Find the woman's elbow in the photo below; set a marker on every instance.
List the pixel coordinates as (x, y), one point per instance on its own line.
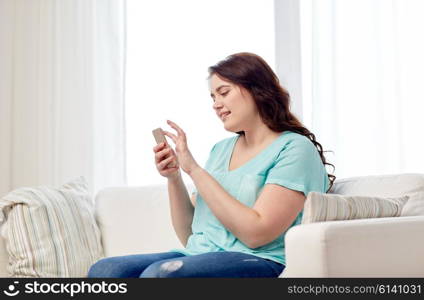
(256, 241)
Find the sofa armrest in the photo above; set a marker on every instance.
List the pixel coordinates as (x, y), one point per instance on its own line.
(380, 247)
(135, 220)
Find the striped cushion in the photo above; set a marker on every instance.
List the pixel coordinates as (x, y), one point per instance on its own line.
(321, 207)
(50, 232)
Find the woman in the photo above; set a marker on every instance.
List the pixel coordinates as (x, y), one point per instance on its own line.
(251, 190)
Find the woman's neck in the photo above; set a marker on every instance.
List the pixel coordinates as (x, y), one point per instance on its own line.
(258, 137)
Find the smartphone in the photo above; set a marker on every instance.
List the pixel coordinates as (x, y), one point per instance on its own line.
(160, 138)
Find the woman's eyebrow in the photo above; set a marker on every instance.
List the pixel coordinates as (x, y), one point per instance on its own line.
(218, 88)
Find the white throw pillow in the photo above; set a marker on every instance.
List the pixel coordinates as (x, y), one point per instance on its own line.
(414, 206)
(320, 207)
(50, 232)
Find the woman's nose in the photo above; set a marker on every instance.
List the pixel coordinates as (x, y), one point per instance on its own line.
(217, 105)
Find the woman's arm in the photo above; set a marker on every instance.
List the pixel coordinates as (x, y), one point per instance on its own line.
(274, 211)
(182, 209)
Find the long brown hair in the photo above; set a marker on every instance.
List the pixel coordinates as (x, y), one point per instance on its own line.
(273, 101)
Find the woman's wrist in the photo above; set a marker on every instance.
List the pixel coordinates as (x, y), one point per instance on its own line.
(174, 178)
(195, 170)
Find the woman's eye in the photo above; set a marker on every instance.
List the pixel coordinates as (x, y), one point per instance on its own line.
(223, 94)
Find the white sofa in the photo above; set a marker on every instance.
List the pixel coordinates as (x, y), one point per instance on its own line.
(137, 220)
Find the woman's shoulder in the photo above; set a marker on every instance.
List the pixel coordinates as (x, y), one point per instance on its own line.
(293, 142)
(291, 138)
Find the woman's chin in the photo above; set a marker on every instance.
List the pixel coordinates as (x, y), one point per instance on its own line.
(228, 127)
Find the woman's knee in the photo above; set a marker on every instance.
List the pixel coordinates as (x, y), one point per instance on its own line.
(108, 267)
(164, 269)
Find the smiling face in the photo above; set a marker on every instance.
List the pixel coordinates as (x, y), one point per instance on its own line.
(233, 104)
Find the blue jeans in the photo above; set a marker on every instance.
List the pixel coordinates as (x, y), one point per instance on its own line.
(174, 264)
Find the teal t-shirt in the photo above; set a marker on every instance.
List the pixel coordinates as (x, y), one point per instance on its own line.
(291, 160)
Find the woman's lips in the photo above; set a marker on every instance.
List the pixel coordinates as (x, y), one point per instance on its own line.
(225, 115)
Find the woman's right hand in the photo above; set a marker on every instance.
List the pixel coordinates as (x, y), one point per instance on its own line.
(165, 155)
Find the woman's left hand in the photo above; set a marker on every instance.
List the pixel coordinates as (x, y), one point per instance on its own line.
(185, 159)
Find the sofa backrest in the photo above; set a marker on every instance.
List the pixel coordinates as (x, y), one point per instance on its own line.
(135, 220)
(391, 185)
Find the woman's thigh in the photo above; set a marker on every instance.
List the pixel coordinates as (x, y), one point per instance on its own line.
(214, 264)
(127, 265)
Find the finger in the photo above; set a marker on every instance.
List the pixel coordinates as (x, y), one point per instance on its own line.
(169, 170)
(160, 154)
(171, 135)
(164, 162)
(158, 147)
(176, 127)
